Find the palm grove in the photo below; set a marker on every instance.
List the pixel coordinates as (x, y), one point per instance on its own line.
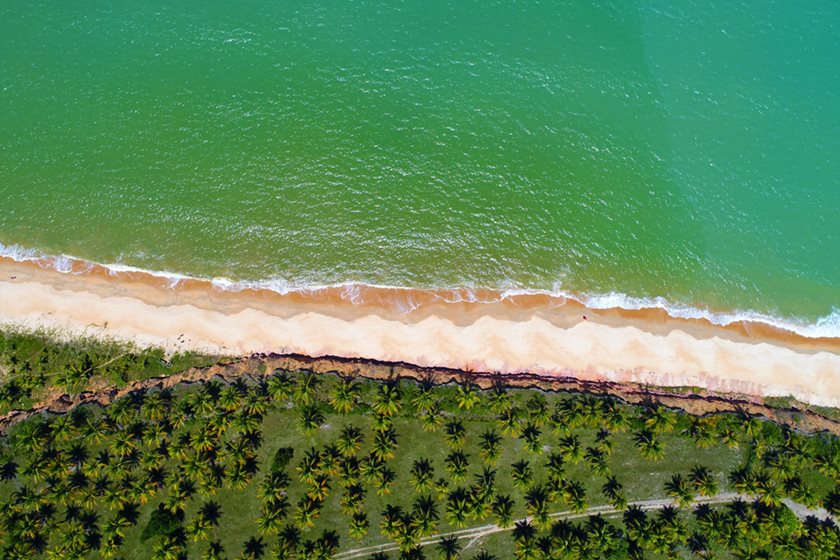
(299, 465)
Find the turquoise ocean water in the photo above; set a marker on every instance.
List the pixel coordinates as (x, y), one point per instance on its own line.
(633, 152)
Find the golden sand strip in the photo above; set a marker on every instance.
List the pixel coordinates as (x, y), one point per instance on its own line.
(548, 340)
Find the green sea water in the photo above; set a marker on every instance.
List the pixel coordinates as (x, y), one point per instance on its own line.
(628, 151)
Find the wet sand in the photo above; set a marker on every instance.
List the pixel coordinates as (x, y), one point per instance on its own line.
(529, 333)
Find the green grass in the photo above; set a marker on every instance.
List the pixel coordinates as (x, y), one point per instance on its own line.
(280, 427)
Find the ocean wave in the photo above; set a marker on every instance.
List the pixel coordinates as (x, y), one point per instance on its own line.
(406, 299)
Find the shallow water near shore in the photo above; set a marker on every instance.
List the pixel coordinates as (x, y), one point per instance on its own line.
(632, 154)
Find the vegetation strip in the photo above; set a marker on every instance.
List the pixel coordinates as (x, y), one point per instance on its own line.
(254, 459)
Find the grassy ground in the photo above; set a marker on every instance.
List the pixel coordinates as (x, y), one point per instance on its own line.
(642, 479)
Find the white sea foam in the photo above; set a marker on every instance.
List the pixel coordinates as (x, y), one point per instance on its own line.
(827, 326)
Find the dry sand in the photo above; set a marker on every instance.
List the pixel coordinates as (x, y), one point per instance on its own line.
(545, 336)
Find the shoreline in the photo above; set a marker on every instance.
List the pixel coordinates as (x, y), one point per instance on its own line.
(409, 300)
(531, 333)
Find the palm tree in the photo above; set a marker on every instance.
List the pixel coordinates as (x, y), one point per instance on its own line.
(467, 396)
(352, 500)
(388, 399)
(649, 447)
(306, 389)
(423, 396)
(253, 549)
(484, 555)
(358, 525)
(431, 418)
(320, 488)
(350, 440)
(531, 435)
(522, 474)
(344, 395)
(449, 547)
(571, 448)
(575, 495)
(424, 515)
(280, 386)
(679, 489)
(703, 480)
(457, 464)
(614, 493)
(525, 539)
(596, 460)
(658, 419)
(615, 416)
(384, 443)
(288, 540)
(489, 444)
(509, 421)
(703, 432)
(636, 523)
(498, 397)
(385, 480)
(422, 474)
(502, 509)
(307, 512)
(458, 507)
(454, 432)
(536, 502)
(393, 518)
(537, 409)
(311, 418)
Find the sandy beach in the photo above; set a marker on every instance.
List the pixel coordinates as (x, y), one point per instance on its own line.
(535, 334)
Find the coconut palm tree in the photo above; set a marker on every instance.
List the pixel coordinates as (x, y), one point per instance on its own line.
(680, 489)
(658, 419)
(306, 388)
(458, 507)
(449, 547)
(498, 398)
(502, 509)
(703, 480)
(422, 474)
(649, 447)
(489, 445)
(385, 480)
(537, 410)
(307, 512)
(344, 395)
(536, 503)
(509, 421)
(388, 399)
(280, 386)
(525, 540)
(359, 525)
(424, 515)
(350, 440)
(522, 474)
(431, 418)
(575, 495)
(614, 493)
(311, 418)
(531, 435)
(571, 448)
(393, 518)
(423, 396)
(454, 432)
(596, 460)
(457, 463)
(467, 396)
(352, 500)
